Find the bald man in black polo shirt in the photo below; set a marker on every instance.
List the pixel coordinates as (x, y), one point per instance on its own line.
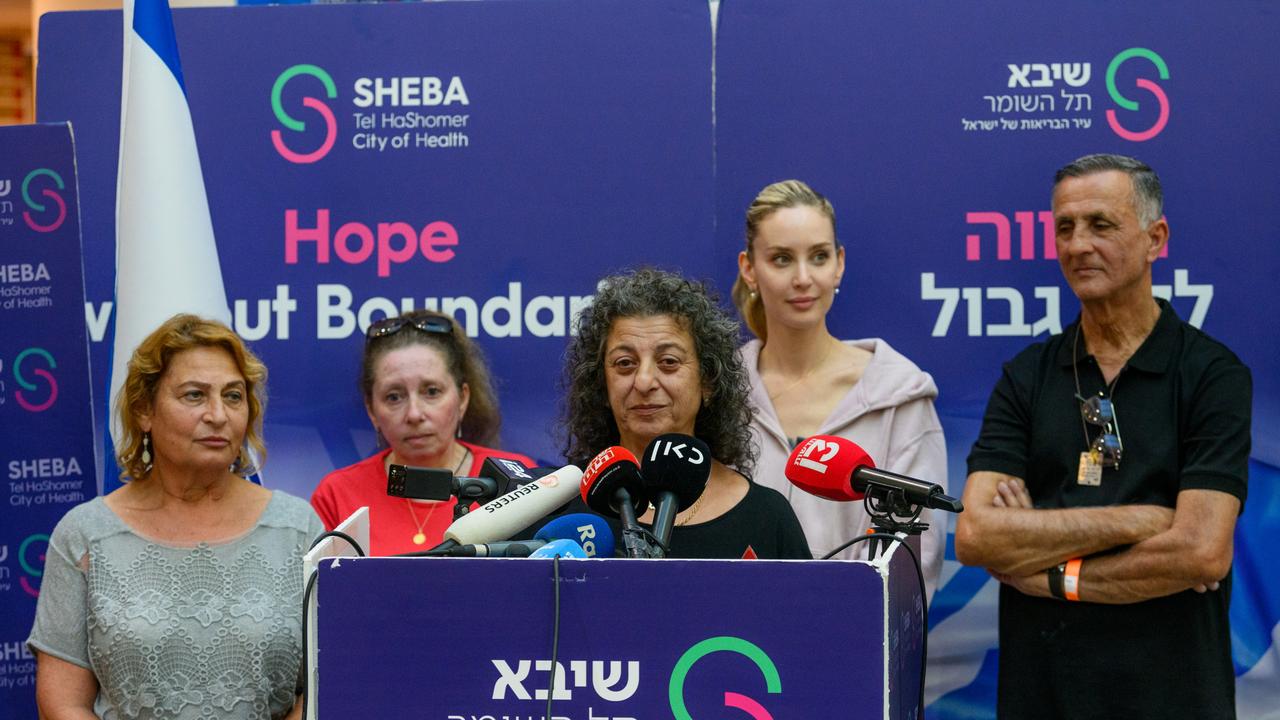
(1104, 487)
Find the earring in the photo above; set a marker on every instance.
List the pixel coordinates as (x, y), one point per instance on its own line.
(146, 449)
(837, 289)
(753, 293)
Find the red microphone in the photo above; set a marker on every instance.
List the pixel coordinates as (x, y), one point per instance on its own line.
(610, 474)
(612, 486)
(823, 466)
(837, 469)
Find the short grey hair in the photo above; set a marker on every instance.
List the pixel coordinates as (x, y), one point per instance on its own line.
(1148, 196)
(724, 419)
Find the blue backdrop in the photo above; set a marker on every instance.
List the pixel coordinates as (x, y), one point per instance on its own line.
(559, 140)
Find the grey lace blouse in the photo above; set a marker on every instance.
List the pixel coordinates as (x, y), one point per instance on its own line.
(205, 631)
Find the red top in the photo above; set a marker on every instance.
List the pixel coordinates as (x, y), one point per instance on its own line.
(393, 521)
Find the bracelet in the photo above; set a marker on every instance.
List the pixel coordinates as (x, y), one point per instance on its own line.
(1071, 579)
(1055, 581)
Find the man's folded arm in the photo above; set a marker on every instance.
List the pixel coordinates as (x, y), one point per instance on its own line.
(1001, 531)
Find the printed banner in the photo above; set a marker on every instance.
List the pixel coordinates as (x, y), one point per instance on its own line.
(46, 440)
(935, 131)
(494, 159)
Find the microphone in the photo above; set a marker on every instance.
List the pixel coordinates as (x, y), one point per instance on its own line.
(612, 486)
(588, 530)
(561, 548)
(506, 515)
(675, 471)
(508, 474)
(506, 548)
(837, 469)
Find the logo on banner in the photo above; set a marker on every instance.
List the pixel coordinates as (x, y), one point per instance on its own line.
(751, 651)
(298, 126)
(49, 215)
(31, 554)
(1132, 105)
(36, 398)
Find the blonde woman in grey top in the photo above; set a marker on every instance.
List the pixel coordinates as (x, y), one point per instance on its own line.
(805, 381)
(178, 595)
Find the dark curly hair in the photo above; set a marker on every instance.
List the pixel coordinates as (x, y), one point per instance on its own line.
(723, 419)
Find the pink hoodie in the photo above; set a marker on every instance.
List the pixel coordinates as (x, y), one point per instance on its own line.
(890, 414)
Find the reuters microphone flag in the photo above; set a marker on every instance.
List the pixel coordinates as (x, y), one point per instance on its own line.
(166, 257)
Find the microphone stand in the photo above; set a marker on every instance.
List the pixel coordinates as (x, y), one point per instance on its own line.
(891, 513)
(632, 536)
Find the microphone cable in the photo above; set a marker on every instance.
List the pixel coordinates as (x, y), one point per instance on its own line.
(555, 635)
(306, 603)
(924, 601)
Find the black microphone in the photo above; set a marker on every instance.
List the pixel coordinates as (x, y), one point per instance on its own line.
(675, 468)
(421, 483)
(505, 548)
(931, 495)
(509, 474)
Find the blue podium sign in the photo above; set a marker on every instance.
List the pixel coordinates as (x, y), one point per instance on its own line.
(445, 639)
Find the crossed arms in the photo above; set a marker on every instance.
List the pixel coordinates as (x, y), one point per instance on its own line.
(1159, 551)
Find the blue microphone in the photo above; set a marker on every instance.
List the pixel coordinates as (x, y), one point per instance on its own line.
(562, 548)
(587, 529)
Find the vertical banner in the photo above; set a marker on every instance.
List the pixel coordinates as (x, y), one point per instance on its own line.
(46, 420)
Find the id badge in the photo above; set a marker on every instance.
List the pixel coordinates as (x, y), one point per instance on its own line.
(1090, 471)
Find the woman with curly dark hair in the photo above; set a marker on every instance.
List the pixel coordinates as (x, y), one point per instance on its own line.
(655, 354)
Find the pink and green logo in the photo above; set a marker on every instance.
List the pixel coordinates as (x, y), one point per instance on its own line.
(298, 126)
(53, 198)
(31, 554)
(1131, 105)
(30, 387)
(737, 701)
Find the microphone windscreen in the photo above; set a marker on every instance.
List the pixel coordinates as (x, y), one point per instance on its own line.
(823, 465)
(612, 470)
(678, 463)
(509, 474)
(588, 530)
(504, 516)
(564, 547)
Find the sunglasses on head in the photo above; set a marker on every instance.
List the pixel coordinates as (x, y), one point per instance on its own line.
(431, 324)
(1107, 447)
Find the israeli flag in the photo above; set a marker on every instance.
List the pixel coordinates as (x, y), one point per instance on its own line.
(166, 257)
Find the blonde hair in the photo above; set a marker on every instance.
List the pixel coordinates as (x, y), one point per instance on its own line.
(775, 197)
(147, 367)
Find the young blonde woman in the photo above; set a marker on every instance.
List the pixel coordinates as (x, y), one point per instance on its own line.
(805, 381)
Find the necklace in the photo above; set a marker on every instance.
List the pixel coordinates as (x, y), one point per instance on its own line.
(692, 512)
(420, 537)
(803, 376)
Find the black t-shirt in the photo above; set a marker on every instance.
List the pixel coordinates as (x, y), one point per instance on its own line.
(1183, 404)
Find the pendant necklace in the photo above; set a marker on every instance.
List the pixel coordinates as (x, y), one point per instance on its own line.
(420, 537)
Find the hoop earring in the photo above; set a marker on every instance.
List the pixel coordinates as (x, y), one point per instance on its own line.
(145, 456)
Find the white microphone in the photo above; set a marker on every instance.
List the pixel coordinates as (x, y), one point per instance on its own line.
(507, 515)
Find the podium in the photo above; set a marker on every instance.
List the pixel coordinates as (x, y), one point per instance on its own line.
(472, 639)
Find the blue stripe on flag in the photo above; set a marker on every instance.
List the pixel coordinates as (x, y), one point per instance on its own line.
(1255, 587)
(153, 22)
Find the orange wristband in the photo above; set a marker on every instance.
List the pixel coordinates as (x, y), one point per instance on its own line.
(1071, 579)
